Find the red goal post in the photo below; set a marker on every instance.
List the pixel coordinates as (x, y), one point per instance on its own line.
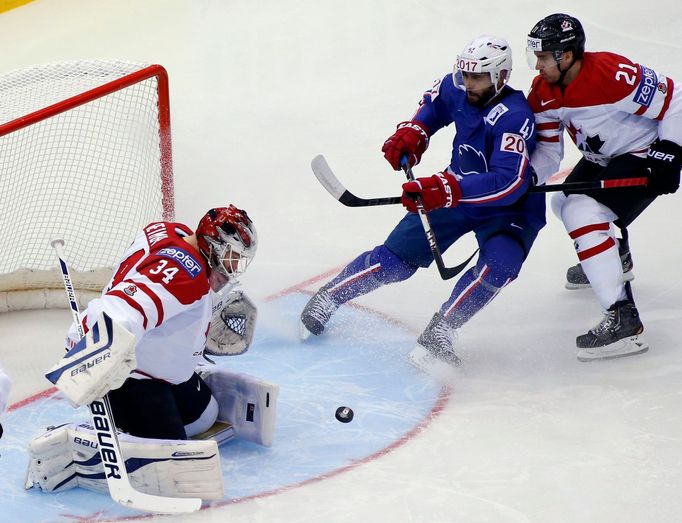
(85, 156)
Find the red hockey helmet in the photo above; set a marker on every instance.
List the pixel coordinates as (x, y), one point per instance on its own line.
(227, 238)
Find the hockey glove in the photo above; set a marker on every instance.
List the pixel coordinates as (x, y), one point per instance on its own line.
(439, 190)
(410, 139)
(664, 161)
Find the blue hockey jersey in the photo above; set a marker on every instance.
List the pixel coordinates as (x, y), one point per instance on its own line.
(490, 151)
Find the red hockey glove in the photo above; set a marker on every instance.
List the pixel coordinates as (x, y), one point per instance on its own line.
(664, 162)
(411, 139)
(439, 190)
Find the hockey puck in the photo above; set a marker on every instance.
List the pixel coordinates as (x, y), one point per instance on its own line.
(344, 414)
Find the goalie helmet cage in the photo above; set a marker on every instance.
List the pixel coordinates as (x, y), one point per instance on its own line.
(85, 156)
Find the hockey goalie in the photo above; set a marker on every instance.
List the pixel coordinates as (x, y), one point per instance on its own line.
(171, 299)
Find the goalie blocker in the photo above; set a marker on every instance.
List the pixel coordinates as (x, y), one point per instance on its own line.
(100, 362)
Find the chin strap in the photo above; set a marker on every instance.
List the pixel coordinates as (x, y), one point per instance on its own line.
(563, 73)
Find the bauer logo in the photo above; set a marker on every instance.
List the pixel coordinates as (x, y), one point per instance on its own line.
(88, 365)
(105, 436)
(534, 44)
(185, 259)
(647, 87)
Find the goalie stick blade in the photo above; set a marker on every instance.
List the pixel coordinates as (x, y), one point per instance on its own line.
(154, 504)
(330, 182)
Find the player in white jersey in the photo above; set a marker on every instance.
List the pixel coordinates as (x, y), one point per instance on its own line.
(170, 300)
(626, 120)
(5, 385)
(162, 292)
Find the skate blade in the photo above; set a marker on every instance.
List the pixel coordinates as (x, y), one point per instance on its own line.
(625, 347)
(303, 331)
(423, 360)
(628, 276)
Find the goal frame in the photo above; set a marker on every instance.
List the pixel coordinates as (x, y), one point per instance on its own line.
(146, 73)
(48, 297)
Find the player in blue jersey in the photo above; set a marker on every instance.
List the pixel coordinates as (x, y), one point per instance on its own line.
(484, 190)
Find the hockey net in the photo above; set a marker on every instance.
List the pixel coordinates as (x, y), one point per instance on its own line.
(85, 156)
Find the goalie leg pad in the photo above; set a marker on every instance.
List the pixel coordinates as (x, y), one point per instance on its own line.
(248, 403)
(68, 456)
(99, 362)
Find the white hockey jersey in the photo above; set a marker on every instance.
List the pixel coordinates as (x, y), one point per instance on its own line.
(160, 292)
(612, 107)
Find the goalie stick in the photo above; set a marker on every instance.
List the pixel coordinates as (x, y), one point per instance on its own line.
(120, 489)
(329, 181)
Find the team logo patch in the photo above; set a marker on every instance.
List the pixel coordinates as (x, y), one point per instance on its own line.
(188, 262)
(647, 87)
(471, 160)
(495, 113)
(662, 87)
(130, 290)
(566, 26)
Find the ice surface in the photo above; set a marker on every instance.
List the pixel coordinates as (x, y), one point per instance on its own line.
(528, 434)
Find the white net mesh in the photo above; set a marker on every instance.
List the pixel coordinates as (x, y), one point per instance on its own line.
(92, 175)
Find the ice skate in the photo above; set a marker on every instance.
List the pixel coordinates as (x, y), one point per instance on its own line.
(434, 353)
(617, 335)
(576, 278)
(316, 314)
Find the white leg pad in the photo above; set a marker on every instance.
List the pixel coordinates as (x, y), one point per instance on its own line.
(66, 457)
(248, 403)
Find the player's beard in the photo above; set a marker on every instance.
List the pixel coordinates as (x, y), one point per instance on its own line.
(480, 97)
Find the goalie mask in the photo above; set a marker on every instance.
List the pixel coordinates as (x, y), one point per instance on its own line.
(487, 60)
(227, 238)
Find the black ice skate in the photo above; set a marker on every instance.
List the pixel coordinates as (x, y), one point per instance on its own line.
(434, 352)
(615, 336)
(576, 278)
(317, 313)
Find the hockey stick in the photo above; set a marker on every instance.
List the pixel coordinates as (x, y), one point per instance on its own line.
(445, 272)
(579, 187)
(120, 489)
(329, 181)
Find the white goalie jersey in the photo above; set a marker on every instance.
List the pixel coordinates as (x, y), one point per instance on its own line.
(160, 277)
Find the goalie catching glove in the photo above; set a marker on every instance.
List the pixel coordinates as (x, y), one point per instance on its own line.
(439, 190)
(100, 362)
(232, 325)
